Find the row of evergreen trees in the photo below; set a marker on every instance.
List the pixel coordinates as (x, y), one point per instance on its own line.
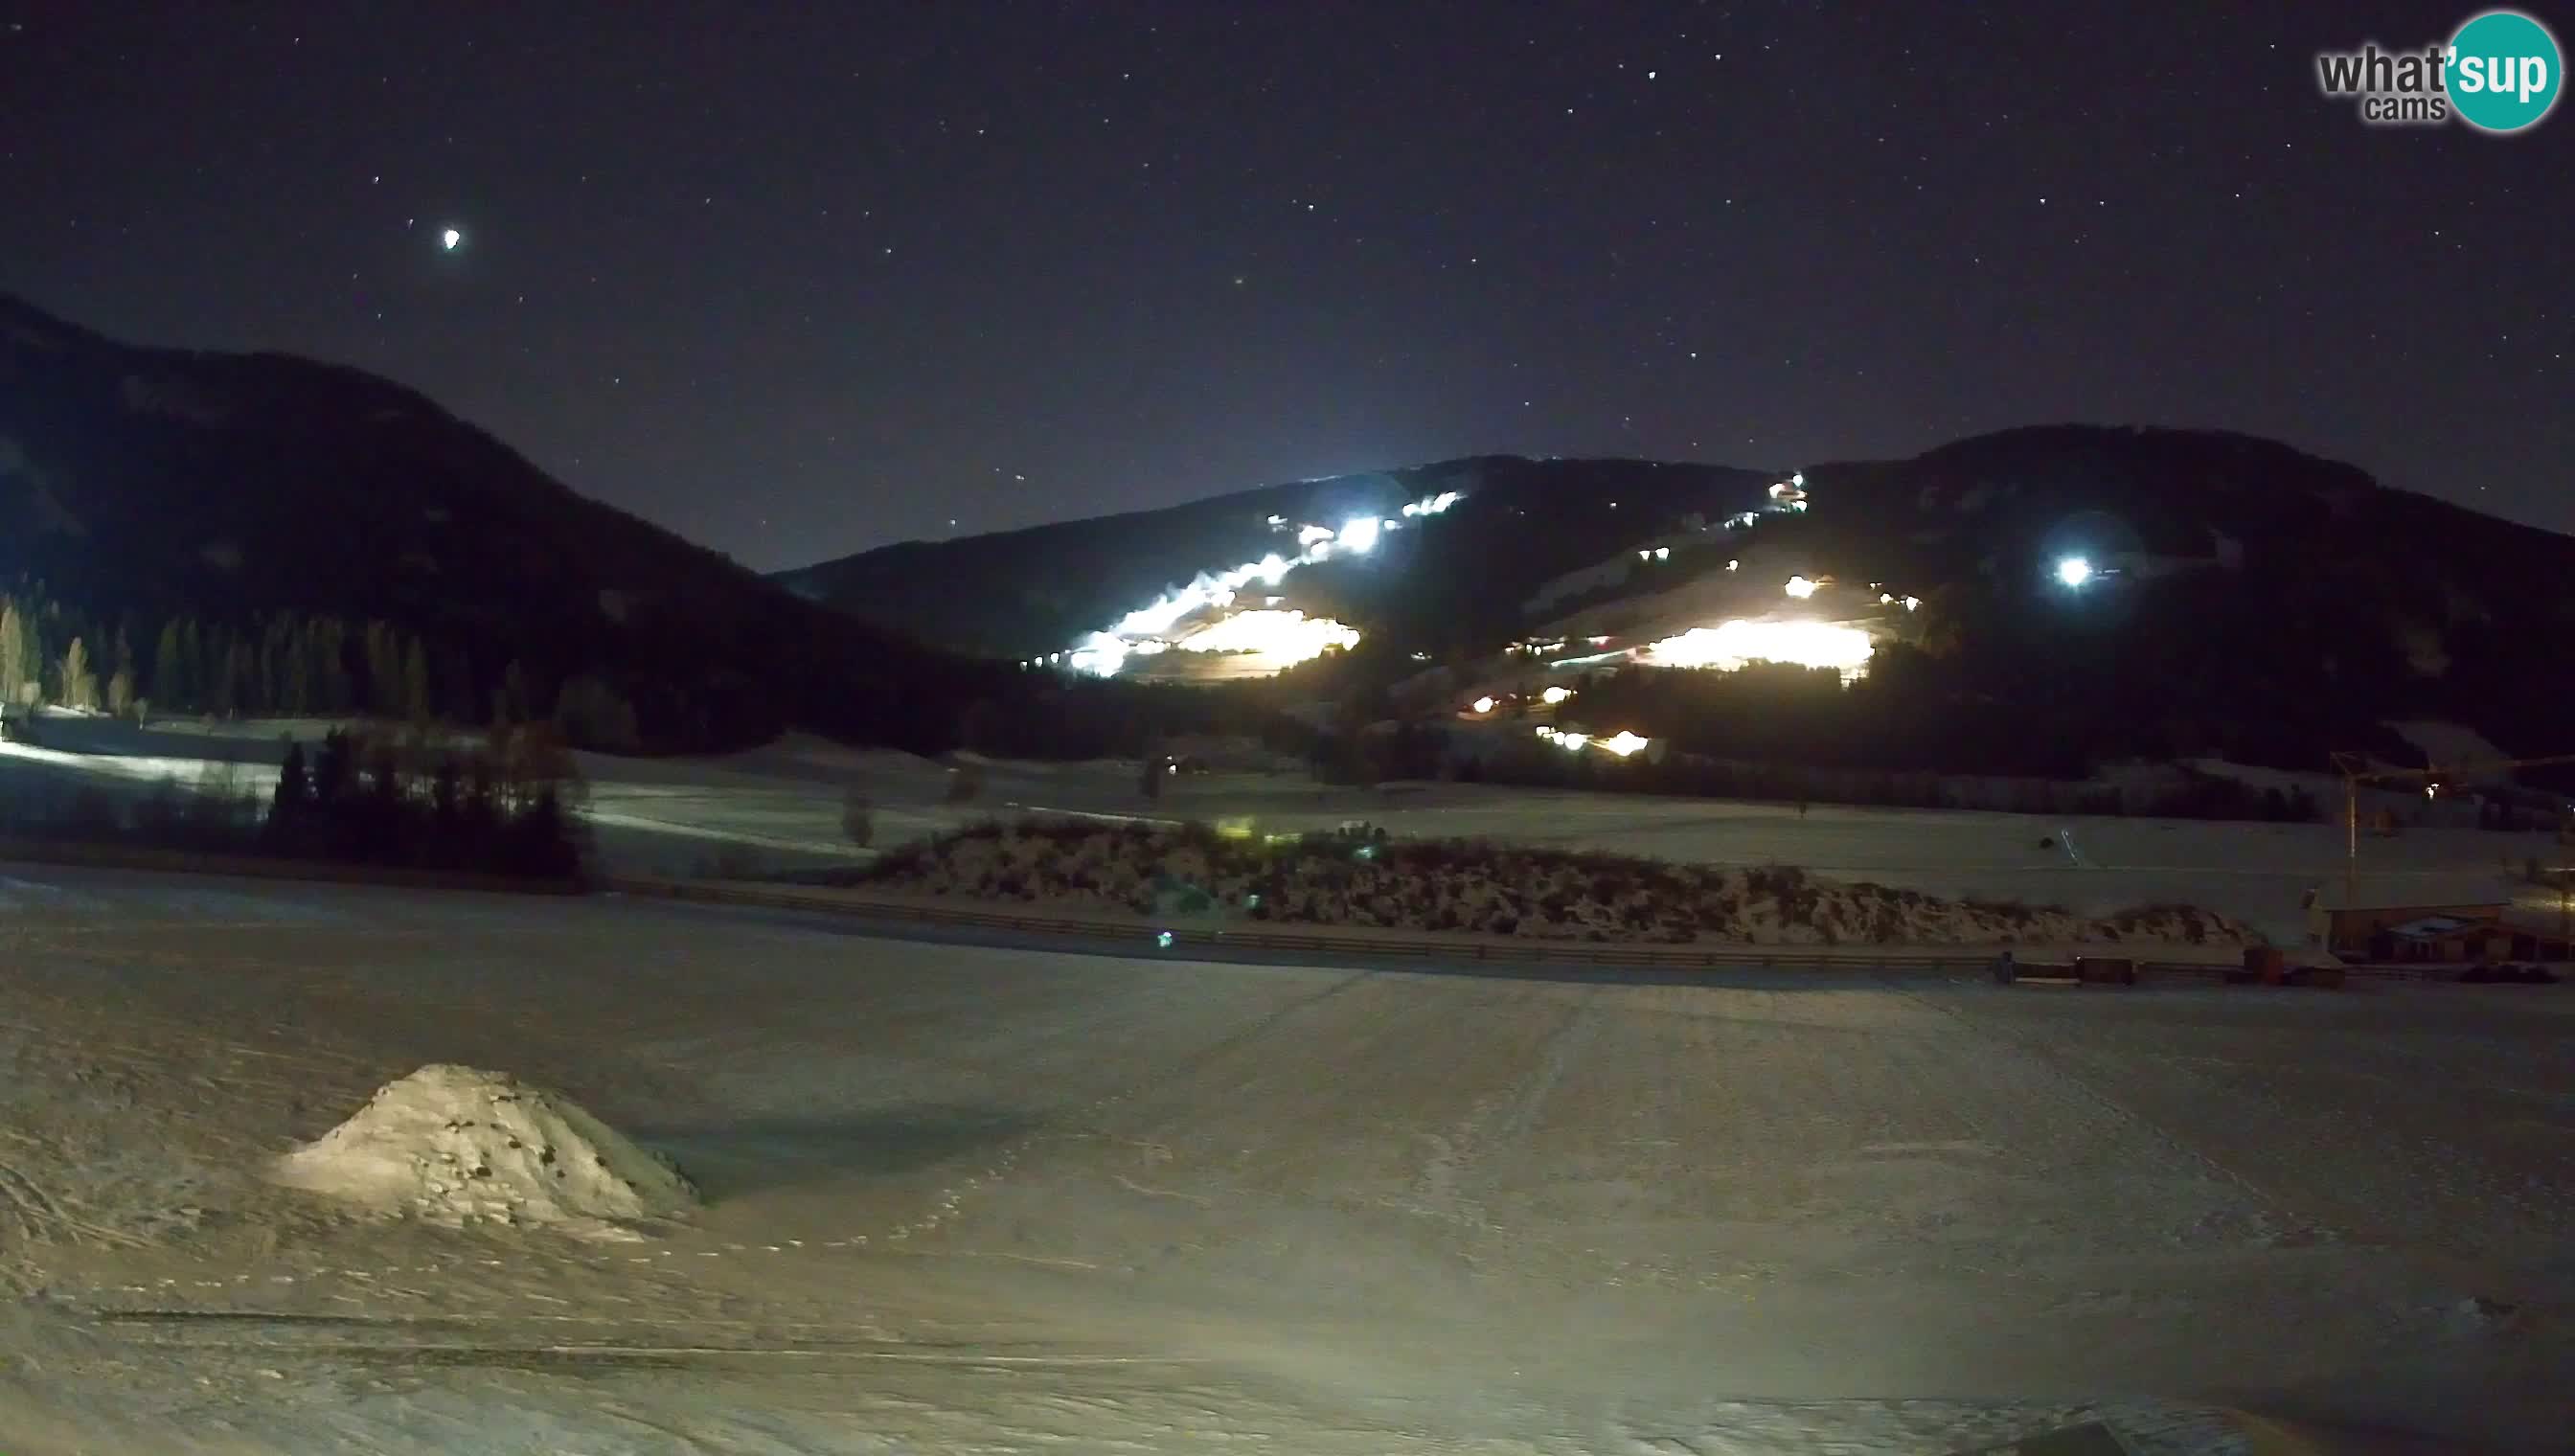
(500, 804)
(286, 665)
(498, 808)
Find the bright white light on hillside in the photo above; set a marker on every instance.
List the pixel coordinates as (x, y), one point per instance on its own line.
(1800, 588)
(1555, 695)
(1912, 604)
(1734, 565)
(1483, 704)
(1284, 638)
(1662, 553)
(1798, 479)
(1148, 627)
(1099, 654)
(1158, 616)
(1730, 645)
(1624, 744)
(451, 240)
(2075, 571)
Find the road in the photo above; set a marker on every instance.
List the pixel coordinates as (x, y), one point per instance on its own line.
(1013, 1199)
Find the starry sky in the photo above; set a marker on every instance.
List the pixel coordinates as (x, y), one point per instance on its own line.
(800, 280)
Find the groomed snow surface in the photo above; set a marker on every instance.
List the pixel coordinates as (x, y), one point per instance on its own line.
(1005, 1201)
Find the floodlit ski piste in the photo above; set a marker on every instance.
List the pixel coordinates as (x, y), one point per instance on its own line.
(1731, 646)
(1277, 638)
(1270, 637)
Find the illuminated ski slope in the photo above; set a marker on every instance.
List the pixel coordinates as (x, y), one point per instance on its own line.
(1200, 616)
(1284, 638)
(1730, 645)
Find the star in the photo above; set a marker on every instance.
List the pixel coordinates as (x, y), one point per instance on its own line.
(451, 240)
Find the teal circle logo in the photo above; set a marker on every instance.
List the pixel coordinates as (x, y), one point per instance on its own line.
(2504, 71)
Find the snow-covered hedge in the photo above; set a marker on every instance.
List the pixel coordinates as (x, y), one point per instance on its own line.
(1449, 884)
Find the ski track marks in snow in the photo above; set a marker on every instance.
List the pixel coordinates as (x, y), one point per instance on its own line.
(1338, 1174)
(2259, 1218)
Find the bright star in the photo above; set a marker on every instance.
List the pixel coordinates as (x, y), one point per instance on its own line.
(450, 239)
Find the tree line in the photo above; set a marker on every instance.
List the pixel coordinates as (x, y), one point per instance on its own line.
(407, 801)
(504, 804)
(286, 665)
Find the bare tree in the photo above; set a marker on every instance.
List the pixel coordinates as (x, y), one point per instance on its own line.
(15, 634)
(79, 683)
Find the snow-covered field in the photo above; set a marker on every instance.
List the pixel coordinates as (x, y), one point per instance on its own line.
(779, 807)
(2254, 872)
(957, 1198)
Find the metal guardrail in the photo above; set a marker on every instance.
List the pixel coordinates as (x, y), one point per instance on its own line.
(1553, 953)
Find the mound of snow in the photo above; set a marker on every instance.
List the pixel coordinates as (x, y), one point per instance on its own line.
(456, 1145)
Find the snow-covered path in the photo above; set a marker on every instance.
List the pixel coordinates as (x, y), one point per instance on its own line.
(975, 1199)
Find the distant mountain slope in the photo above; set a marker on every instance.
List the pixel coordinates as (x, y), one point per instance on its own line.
(140, 486)
(1022, 592)
(2246, 597)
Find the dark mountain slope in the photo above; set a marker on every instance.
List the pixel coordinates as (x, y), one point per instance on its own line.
(2249, 586)
(2248, 598)
(1519, 521)
(143, 486)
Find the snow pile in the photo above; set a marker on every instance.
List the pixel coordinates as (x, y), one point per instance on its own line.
(1494, 888)
(456, 1145)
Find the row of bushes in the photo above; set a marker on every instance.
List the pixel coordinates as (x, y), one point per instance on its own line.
(1495, 888)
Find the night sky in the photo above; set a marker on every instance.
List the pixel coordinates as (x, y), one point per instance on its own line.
(798, 280)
